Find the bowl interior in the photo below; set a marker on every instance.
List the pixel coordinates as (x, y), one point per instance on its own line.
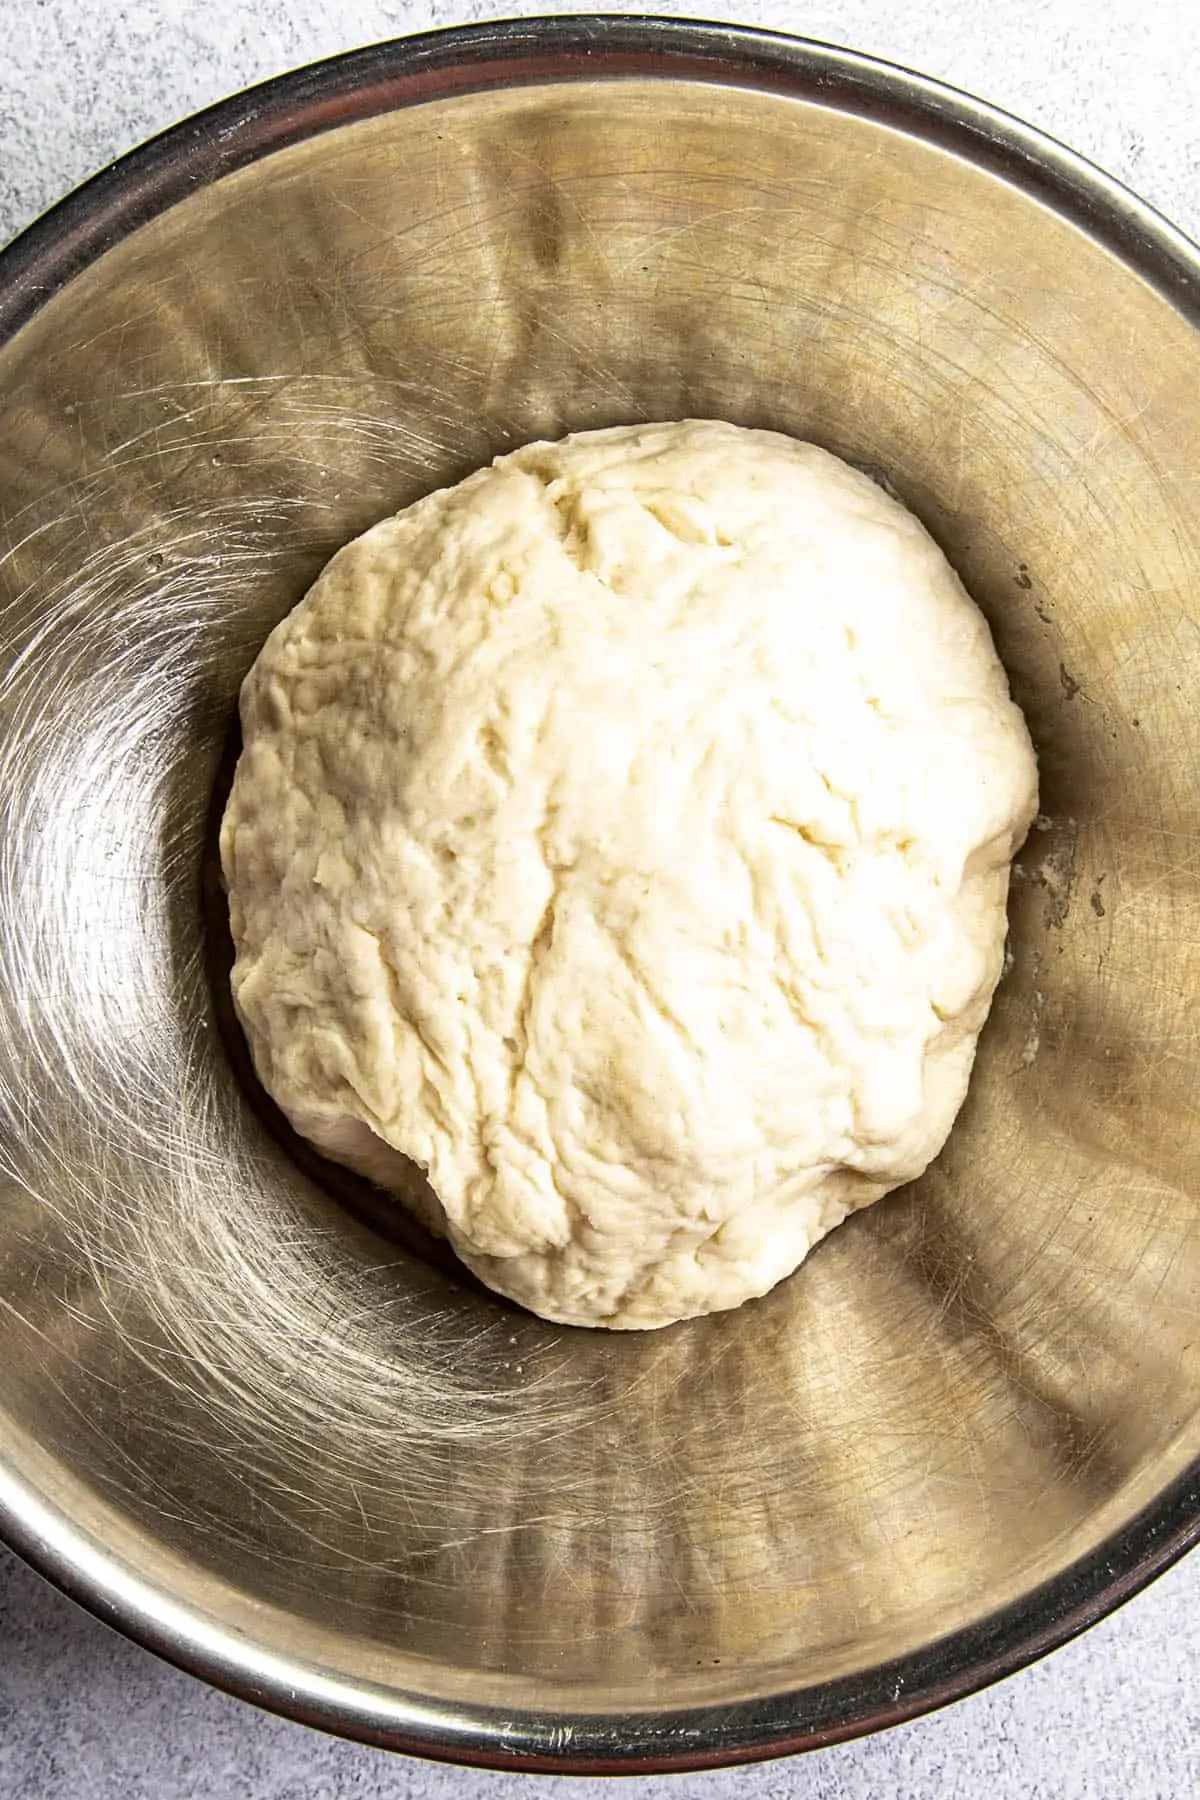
(281, 1417)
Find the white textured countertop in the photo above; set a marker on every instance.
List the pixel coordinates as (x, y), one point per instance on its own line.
(87, 1716)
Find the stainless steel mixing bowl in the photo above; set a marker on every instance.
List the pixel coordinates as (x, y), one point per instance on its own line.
(248, 1418)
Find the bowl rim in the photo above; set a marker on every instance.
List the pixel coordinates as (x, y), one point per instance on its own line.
(357, 85)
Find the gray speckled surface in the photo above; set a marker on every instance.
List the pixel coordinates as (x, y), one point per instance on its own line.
(87, 1716)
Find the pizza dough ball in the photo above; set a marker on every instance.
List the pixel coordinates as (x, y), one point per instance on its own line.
(623, 835)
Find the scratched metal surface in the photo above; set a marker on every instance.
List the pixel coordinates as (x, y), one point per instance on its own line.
(228, 1387)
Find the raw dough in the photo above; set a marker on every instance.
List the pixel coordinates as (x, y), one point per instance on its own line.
(624, 835)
